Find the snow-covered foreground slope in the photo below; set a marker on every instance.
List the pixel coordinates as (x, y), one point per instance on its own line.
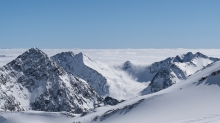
(106, 80)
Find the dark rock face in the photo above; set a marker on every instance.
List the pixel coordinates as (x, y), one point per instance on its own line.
(161, 80)
(110, 101)
(45, 86)
(127, 65)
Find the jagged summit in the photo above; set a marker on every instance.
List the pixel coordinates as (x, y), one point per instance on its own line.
(172, 70)
(190, 56)
(34, 50)
(127, 65)
(34, 53)
(175, 69)
(59, 56)
(70, 53)
(80, 56)
(200, 54)
(84, 57)
(184, 58)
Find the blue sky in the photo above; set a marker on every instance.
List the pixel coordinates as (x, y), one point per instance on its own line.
(110, 23)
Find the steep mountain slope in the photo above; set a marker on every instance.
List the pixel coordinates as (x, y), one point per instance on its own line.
(169, 71)
(76, 65)
(194, 100)
(33, 81)
(104, 79)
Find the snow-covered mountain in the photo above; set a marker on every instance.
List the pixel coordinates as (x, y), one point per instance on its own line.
(138, 72)
(169, 71)
(194, 100)
(76, 65)
(34, 81)
(105, 80)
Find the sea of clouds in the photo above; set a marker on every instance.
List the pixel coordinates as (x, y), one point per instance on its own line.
(114, 56)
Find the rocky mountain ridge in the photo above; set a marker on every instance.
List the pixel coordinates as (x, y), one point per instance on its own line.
(169, 71)
(75, 83)
(34, 81)
(76, 65)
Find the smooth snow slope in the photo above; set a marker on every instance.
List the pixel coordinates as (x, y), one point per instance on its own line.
(191, 101)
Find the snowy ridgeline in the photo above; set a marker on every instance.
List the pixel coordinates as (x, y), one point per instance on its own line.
(34, 81)
(75, 83)
(160, 93)
(169, 71)
(64, 82)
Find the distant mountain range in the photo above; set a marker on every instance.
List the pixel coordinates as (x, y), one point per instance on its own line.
(169, 71)
(75, 83)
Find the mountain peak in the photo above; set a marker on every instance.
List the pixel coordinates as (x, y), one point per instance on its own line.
(33, 53)
(127, 65)
(83, 57)
(81, 66)
(188, 57)
(189, 54)
(34, 49)
(70, 57)
(201, 55)
(69, 53)
(80, 53)
(46, 83)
